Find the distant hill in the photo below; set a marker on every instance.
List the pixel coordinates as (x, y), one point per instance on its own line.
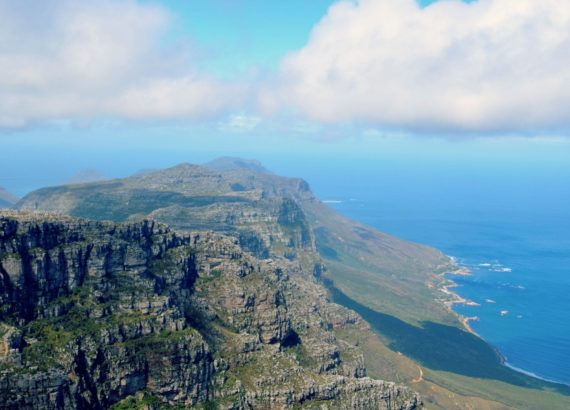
(85, 176)
(144, 171)
(7, 200)
(394, 284)
(233, 164)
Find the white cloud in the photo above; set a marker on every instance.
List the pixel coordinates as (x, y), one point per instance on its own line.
(65, 59)
(492, 65)
(240, 123)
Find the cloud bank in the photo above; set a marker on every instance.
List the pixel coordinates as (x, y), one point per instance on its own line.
(65, 59)
(492, 65)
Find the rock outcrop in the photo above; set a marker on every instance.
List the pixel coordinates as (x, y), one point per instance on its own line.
(99, 315)
(271, 216)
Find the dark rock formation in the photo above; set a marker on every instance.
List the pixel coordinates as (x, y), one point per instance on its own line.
(95, 315)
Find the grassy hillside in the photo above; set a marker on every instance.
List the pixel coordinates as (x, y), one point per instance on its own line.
(379, 270)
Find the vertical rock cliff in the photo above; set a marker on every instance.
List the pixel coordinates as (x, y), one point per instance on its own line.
(96, 315)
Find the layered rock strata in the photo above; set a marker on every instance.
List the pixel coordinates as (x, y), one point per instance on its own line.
(96, 315)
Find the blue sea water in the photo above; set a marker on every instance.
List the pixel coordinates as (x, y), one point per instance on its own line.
(511, 231)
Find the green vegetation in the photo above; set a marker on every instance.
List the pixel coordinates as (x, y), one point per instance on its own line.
(299, 352)
(380, 271)
(119, 207)
(506, 393)
(144, 401)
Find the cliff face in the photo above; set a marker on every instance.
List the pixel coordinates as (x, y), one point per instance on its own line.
(263, 227)
(271, 216)
(260, 208)
(101, 311)
(96, 315)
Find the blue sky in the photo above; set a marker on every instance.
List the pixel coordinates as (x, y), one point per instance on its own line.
(117, 84)
(240, 34)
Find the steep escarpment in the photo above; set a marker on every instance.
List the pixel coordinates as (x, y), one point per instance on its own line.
(99, 310)
(98, 314)
(270, 215)
(260, 208)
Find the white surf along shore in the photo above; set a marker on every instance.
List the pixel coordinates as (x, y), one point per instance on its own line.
(446, 286)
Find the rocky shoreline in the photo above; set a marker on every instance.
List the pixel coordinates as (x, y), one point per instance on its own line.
(453, 298)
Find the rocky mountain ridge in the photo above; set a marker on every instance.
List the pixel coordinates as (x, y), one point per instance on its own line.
(98, 314)
(235, 163)
(269, 214)
(394, 284)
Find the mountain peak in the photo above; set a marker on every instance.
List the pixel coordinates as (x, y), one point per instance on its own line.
(234, 164)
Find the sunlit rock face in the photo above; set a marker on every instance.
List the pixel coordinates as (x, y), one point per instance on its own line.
(98, 314)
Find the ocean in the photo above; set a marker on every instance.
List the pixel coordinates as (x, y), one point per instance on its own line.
(511, 231)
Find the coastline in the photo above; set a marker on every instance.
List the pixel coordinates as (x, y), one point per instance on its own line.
(400, 332)
(452, 298)
(531, 374)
